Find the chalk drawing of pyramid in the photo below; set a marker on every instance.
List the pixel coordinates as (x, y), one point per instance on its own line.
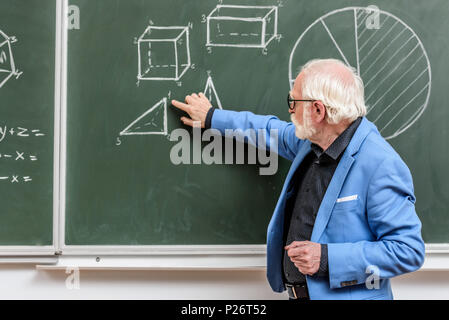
(153, 121)
(211, 93)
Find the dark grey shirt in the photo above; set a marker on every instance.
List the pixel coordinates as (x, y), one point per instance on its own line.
(309, 185)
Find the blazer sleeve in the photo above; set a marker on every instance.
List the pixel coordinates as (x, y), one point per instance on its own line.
(246, 126)
(398, 248)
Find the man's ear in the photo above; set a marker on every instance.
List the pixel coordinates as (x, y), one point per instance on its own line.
(319, 111)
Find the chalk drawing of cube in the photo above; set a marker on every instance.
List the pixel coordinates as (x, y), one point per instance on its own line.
(7, 67)
(164, 53)
(242, 26)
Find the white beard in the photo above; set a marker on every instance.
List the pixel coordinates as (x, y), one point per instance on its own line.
(306, 130)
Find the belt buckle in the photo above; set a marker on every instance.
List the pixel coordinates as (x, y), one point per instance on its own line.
(292, 289)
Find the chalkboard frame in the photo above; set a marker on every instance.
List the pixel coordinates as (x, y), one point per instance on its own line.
(24, 253)
(124, 250)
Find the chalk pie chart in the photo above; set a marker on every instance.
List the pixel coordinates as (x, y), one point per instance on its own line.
(389, 57)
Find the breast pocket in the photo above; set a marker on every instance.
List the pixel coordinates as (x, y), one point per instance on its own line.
(347, 203)
(344, 218)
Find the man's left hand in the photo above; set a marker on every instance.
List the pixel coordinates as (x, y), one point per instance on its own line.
(305, 255)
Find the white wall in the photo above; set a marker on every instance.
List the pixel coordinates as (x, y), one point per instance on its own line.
(25, 282)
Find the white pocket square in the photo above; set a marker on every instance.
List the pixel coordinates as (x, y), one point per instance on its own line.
(349, 198)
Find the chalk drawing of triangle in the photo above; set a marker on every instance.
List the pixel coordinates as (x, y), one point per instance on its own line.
(211, 93)
(153, 121)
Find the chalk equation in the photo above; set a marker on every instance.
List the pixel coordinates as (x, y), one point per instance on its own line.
(18, 155)
(16, 179)
(6, 131)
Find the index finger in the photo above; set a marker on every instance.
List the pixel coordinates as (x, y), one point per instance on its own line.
(296, 252)
(180, 105)
(295, 244)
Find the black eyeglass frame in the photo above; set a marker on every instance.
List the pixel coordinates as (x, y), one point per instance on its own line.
(290, 100)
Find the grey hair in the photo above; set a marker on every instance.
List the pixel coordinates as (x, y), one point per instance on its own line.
(344, 100)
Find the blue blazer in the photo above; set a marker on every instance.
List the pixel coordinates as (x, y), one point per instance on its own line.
(367, 216)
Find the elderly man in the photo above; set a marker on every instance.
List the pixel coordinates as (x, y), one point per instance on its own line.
(345, 222)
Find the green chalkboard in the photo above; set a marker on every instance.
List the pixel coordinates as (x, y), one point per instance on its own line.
(27, 69)
(129, 57)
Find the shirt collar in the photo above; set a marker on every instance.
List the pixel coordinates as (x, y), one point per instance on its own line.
(340, 144)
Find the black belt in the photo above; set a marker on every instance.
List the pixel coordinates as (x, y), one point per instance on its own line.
(297, 291)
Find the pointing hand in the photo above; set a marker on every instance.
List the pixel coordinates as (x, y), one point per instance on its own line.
(196, 106)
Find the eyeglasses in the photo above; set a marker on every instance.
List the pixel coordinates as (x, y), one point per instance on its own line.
(291, 105)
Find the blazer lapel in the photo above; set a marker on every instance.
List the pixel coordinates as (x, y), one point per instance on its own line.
(338, 179)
